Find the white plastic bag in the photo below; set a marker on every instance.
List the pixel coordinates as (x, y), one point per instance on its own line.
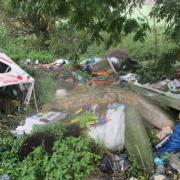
(111, 134)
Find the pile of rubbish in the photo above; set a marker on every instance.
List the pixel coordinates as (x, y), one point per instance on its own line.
(169, 85)
(117, 112)
(56, 65)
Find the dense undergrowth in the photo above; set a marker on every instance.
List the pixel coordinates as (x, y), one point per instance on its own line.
(56, 151)
(49, 153)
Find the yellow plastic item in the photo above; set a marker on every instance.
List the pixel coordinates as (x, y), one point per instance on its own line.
(79, 111)
(75, 120)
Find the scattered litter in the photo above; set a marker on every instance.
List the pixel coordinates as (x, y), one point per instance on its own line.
(174, 86)
(175, 161)
(79, 78)
(158, 177)
(167, 85)
(133, 178)
(27, 61)
(118, 127)
(56, 65)
(113, 164)
(98, 82)
(159, 165)
(161, 85)
(38, 119)
(165, 131)
(129, 78)
(102, 73)
(163, 141)
(86, 120)
(61, 93)
(92, 60)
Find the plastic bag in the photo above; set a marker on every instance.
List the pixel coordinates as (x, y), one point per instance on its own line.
(111, 134)
(113, 164)
(173, 144)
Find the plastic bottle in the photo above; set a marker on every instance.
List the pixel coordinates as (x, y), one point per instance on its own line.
(163, 141)
(159, 165)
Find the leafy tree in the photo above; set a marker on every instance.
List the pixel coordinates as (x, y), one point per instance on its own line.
(169, 11)
(24, 17)
(97, 16)
(70, 26)
(91, 16)
(68, 42)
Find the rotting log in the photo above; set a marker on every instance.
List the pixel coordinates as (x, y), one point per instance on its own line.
(153, 114)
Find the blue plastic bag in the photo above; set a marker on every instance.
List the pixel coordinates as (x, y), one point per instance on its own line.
(173, 144)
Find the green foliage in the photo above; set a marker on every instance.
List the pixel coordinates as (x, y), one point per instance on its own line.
(20, 48)
(91, 17)
(86, 118)
(141, 32)
(69, 43)
(72, 158)
(57, 129)
(45, 87)
(152, 133)
(130, 26)
(29, 17)
(170, 12)
(136, 170)
(43, 56)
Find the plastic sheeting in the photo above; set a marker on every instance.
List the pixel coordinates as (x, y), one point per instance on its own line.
(111, 134)
(13, 74)
(173, 144)
(136, 139)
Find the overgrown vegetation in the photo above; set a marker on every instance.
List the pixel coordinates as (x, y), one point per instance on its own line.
(71, 157)
(54, 151)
